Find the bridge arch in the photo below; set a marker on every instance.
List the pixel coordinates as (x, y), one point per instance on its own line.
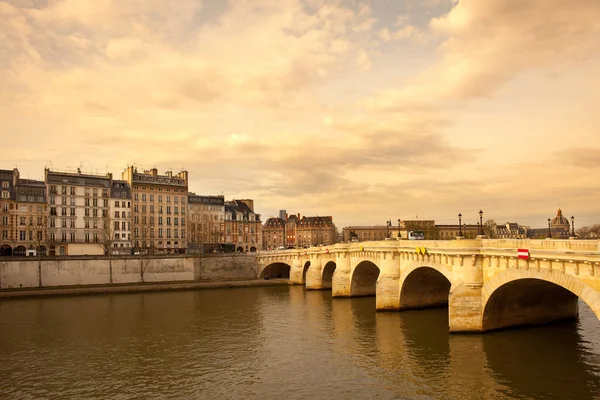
(305, 268)
(276, 270)
(364, 279)
(327, 274)
(425, 287)
(5, 250)
(529, 297)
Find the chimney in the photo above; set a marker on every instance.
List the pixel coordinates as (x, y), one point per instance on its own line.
(154, 172)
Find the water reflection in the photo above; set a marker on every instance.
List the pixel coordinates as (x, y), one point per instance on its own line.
(285, 342)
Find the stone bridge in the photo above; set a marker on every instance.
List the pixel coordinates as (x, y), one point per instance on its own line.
(483, 282)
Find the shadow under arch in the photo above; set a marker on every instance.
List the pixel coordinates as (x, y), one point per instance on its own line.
(276, 270)
(304, 271)
(534, 300)
(424, 287)
(546, 362)
(364, 279)
(327, 277)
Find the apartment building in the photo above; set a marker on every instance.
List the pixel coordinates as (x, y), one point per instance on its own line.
(119, 228)
(206, 222)
(159, 205)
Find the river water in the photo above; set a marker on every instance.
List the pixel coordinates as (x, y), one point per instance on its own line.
(279, 343)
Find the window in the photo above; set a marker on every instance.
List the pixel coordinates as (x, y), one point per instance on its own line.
(160, 198)
(182, 210)
(160, 220)
(136, 197)
(168, 199)
(104, 213)
(95, 237)
(95, 212)
(168, 209)
(64, 211)
(160, 233)
(176, 209)
(72, 201)
(52, 222)
(143, 208)
(143, 196)
(87, 237)
(5, 194)
(175, 221)
(116, 214)
(72, 211)
(176, 233)
(5, 185)
(151, 197)
(87, 191)
(152, 208)
(105, 193)
(123, 225)
(52, 200)
(117, 225)
(182, 199)
(160, 209)
(182, 221)
(72, 223)
(105, 202)
(168, 220)
(22, 235)
(152, 220)
(183, 233)
(63, 190)
(176, 199)
(116, 204)
(95, 192)
(87, 212)
(168, 233)
(87, 223)
(64, 236)
(135, 208)
(122, 204)
(87, 202)
(122, 214)
(22, 221)
(52, 237)
(95, 224)
(95, 202)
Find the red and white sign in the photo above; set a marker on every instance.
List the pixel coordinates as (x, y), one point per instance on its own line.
(523, 253)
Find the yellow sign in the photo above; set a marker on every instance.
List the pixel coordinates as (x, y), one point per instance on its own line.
(361, 248)
(421, 250)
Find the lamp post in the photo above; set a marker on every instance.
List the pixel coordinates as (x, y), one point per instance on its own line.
(388, 224)
(460, 232)
(549, 231)
(399, 227)
(572, 226)
(481, 222)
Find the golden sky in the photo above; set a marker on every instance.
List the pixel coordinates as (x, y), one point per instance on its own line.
(364, 110)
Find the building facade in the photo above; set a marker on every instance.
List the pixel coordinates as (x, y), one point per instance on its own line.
(315, 231)
(243, 227)
(206, 222)
(159, 205)
(117, 229)
(24, 215)
(274, 234)
(78, 208)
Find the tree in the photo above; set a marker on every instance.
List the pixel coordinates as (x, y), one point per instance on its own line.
(489, 228)
(142, 237)
(107, 239)
(39, 234)
(589, 232)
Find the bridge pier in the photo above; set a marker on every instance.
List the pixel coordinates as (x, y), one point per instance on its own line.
(341, 277)
(388, 287)
(296, 272)
(314, 275)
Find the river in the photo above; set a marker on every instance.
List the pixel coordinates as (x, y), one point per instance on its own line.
(279, 343)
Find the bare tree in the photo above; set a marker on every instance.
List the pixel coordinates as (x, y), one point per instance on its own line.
(142, 239)
(39, 234)
(489, 228)
(107, 239)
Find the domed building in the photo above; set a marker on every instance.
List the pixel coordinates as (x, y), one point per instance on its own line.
(560, 222)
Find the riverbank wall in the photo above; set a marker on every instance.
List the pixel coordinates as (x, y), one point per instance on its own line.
(28, 272)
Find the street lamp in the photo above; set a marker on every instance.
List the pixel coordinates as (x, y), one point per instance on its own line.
(480, 222)
(460, 232)
(572, 226)
(388, 224)
(399, 227)
(549, 231)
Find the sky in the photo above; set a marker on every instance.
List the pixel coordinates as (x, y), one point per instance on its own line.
(364, 110)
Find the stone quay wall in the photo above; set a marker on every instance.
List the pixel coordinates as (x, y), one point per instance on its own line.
(24, 272)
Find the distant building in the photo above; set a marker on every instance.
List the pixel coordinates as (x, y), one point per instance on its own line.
(560, 228)
(159, 210)
(78, 208)
(119, 228)
(273, 233)
(242, 226)
(297, 231)
(24, 215)
(206, 222)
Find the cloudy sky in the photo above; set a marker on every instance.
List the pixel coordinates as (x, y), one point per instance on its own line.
(364, 110)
